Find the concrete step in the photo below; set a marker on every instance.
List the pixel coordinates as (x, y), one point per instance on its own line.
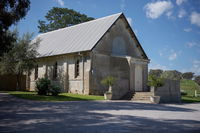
(142, 97)
(143, 94)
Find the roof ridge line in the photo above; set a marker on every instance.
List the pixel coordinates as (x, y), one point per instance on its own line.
(80, 24)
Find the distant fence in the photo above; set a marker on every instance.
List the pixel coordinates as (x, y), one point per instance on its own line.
(9, 82)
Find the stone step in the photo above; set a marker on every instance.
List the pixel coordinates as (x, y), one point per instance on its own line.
(143, 93)
(142, 97)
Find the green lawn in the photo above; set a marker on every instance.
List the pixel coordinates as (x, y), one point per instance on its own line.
(189, 87)
(61, 97)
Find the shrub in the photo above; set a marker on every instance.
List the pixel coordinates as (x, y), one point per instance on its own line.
(155, 81)
(109, 81)
(42, 86)
(54, 90)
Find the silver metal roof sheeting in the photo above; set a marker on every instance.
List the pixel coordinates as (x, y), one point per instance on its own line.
(77, 38)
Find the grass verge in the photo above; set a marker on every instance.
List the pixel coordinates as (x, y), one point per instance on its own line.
(60, 97)
(189, 86)
(190, 99)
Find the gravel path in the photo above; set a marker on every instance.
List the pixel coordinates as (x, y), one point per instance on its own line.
(17, 115)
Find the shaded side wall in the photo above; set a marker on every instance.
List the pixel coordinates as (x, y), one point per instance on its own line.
(9, 82)
(104, 66)
(170, 92)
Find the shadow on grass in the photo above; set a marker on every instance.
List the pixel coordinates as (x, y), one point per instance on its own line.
(190, 99)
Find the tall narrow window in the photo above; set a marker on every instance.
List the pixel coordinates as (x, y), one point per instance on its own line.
(55, 70)
(77, 73)
(36, 72)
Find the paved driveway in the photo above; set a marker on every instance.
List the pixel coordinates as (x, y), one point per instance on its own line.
(18, 115)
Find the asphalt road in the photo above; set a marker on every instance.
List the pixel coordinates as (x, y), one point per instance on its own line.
(17, 115)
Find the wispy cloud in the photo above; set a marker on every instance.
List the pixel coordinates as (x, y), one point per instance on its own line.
(122, 5)
(196, 66)
(181, 13)
(60, 2)
(172, 56)
(193, 44)
(195, 18)
(155, 9)
(154, 65)
(169, 54)
(179, 2)
(187, 29)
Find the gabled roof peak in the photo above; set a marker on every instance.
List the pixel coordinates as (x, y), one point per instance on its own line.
(77, 38)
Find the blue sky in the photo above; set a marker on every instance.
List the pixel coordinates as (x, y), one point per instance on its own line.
(168, 30)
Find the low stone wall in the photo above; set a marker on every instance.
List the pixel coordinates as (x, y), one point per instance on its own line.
(9, 83)
(170, 92)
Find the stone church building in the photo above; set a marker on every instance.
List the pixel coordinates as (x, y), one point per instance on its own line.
(78, 57)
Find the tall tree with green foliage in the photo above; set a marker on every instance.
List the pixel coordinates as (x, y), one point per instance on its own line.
(11, 11)
(188, 75)
(57, 18)
(155, 72)
(172, 74)
(21, 58)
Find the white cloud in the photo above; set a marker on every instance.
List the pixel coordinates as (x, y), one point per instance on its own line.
(156, 9)
(195, 66)
(195, 18)
(192, 44)
(122, 5)
(129, 20)
(172, 56)
(169, 54)
(187, 29)
(155, 65)
(60, 2)
(181, 13)
(179, 2)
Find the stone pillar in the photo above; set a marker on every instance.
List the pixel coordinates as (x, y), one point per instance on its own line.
(87, 82)
(66, 78)
(132, 76)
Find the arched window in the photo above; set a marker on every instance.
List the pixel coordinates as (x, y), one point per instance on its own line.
(77, 72)
(55, 70)
(36, 72)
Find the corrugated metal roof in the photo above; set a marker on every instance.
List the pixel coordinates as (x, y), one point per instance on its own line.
(77, 38)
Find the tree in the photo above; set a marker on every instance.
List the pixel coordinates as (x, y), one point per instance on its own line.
(61, 17)
(197, 79)
(188, 75)
(171, 74)
(156, 72)
(11, 11)
(21, 58)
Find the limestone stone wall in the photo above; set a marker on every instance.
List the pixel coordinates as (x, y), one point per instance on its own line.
(170, 92)
(66, 72)
(111, 56)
